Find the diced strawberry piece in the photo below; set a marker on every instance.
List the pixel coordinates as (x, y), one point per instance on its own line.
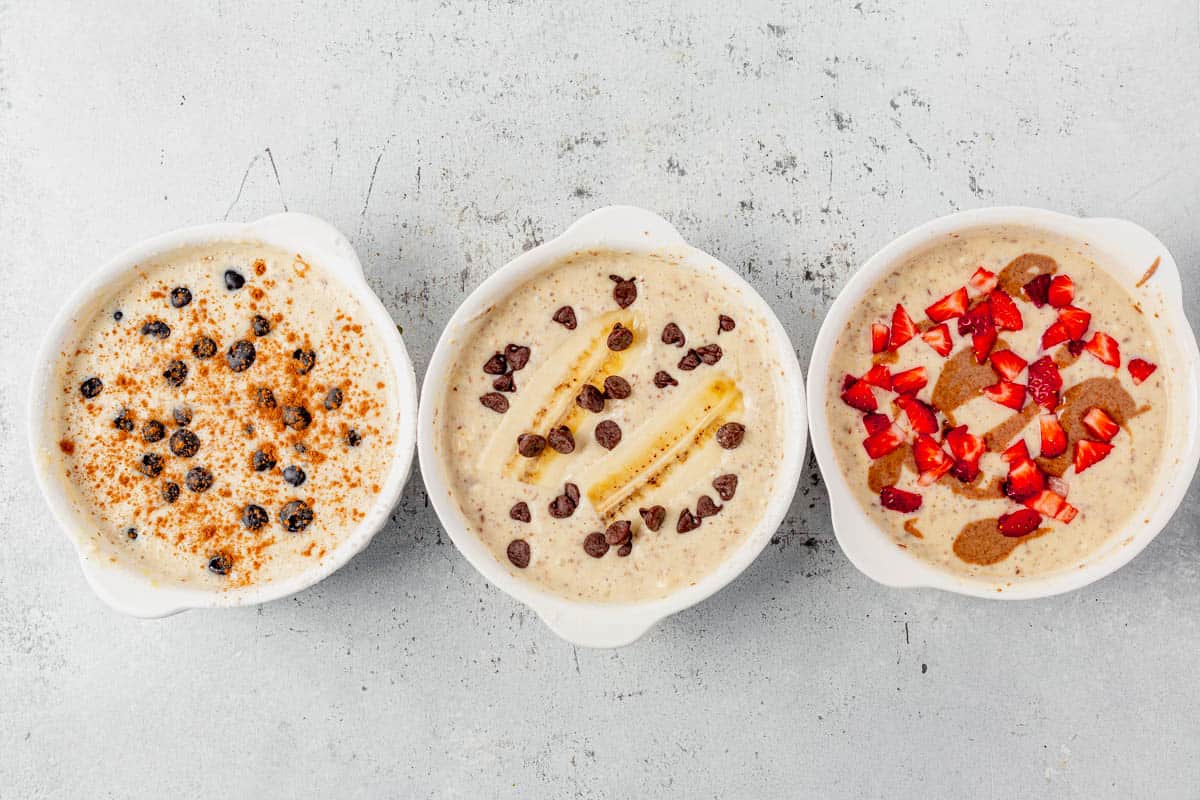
(1045, 502)
(921, 416)
(1006, 393)
(1088, 453)
(932, 461)
(983, 281)
(983, 343)
(1075, 320)
(1140, 369)
(1105, 348)
(1037, 290)
(1058, 485)
(1005, 312)
(1016, 453)
(1061, 291)
(880, 376)
(903, 328)
(950, 306)
(881, 443)
(860, 396)
(939, 339)
(1066, 513)
(1054, 438)
(1075, 346)
(899, 500)
(1100, 424)
(978, 323)
(1045, 382)
(879, 337)
(910, 381)
(1020, 522)
(1056, 334)
(874, 423)
(964, 470)
(847, 381)
(965, 446)
(1024, 480)
(1007, 364)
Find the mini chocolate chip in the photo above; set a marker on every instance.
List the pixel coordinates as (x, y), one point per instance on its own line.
(131, 533)
(561, 440)
(518, 553)
(333, 398)
(673, 334)
(495, 401)
(151, 465)
(608, 434)
(653, 517)
(293, 475)
(520, 512)
(625, 291)
(619, 338)
(530, 445)
(616, 387)
(176, 373)
(730, 435)
(710, 353)
(705, 507)
(295, 516)
(353, 438)
(254, 517)
(260, 325)
(91, 387)
(565, 316)
(184, 443)
(153, 431)
(220, 564)
(686, 522)
(198, 479)
(204, 347)
(625, 549)
(595, 545)
(300, 447)
(158, 329)
(726, 486)
(234, 280)
(562, 507)
(123, 421)
(305, 360)
(118, 315)
(663, 379)
(264, 397)
(690, 361)
(240, 355)
(517, 356)
(618, 532)
(590, 399)
(170, 491)
(572, 492)
(182, 416)
(725, 324)
(296, 417)
(262, 461)
(180, 296)
(504, 383)
(496, 365)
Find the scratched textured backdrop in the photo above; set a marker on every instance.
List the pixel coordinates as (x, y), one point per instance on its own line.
(791, 140)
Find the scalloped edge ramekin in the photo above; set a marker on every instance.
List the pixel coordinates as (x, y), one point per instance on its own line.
(1126, 251)
(623, 228)
(120, 586)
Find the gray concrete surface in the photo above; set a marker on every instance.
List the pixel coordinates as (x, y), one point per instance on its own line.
(791, 140)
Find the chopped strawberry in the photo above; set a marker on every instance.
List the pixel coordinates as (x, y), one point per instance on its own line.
(1037, 290)
(939, 339)
(1008, 365)
(1045, 502)
(879, 337)
(1140, 369)
(1057, 485)
(847, 381)
(880, 376)
(1020, 522)
(1024, 480)
(882, 442)
(910, 381)
(1005, 312)
(1017, 452)
(921, 416)
(1054, 438)
(983, 281)
(964, 445)
(1061, 291)
(1105, 348)
(899, 500)
(978, 322)
(1056, 334)
(1044, 382)
(859, 396)
(932, 460)
(964, 470)
(903, 328)
(1088, 453)
(1075, 347)
(1100, 424)
(950, 306)
(874, 423)
(1066, 513)
(1006, 393)
(1075, 320)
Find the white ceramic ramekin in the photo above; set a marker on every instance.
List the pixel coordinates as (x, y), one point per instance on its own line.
(607, 624)
(1127, 250)
(129, 591)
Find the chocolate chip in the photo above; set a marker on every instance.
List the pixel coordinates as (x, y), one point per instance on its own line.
(726, 486)
(123, 421)
(153, 431)
(296, 417)
(118, 315)
(590, 399)
(565, 316)
(520, 512)
(730, 434)
(151, 465)
(608, 434)
(705, 507)
(234, 280)
(653, 517)
(305, 360)
(530, 445)
(158, 329)
(496, 365)
(184, 443)
(618, 532)
(204, 347)
(625, 292)
(518, 553)
(561, 440)
(261, 461)
(663, 379)
(260, 325)
(254, 517)
(91, 387)
(562, 507)
(625, 549)
(240, 356)
(686, 522)
(294, 475)
(333, 398)
(710, 353)
(264, 397)
(495, 401)
(572, 492)
(616, 387)
(295, 516)
(180, 296)
(595, 545)
(353, 438)
(725, 324)
(517, 356)
(170, 491)
(672, 334)
(220, 564)
(176, 373)
(198, 479)
(620, 338)
(504, 383)
(182, 416)
(690, 361)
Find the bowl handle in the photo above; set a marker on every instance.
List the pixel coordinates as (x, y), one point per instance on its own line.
(1135, 242)
(624, 223)
(599, 627)
(880, 562)
(304, 230)
(127, 594)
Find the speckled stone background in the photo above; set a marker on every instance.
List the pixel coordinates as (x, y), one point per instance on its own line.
(791, 140)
